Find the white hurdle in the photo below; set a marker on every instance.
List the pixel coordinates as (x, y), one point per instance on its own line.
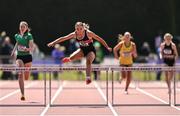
(10, 68)
(146, 68)
(52, 68)
(55, 68)
(78, 68)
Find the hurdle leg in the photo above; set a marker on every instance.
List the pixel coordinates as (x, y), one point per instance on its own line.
(168, 90)
(50, 88)
(174, 80)
(59, 75)
(136, 83)
(107, 88)
(169, 99)
(44, 88)
(112, 87)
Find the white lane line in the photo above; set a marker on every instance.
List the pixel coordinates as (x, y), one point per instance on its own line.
(14, 92)
(52, 100)
(155, 97)
(149, 94)
(104, 97)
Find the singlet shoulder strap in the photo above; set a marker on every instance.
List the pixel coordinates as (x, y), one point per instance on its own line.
(76, 35)
(86, 34)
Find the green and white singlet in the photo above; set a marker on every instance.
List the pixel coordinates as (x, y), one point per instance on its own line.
(23, 41)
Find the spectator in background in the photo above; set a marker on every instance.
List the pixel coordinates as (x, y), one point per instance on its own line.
(178, 48)
(6, 48)
(57, 54)
(2, 36)
(73, 46)
(37, 57)
(145, 51)
(98, 59)
(158, 39)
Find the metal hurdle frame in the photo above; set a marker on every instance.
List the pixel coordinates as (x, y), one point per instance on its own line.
(147, 71)
(9, 68)
(176, 86)
(137, 68)
(107, 68)
(78, 68)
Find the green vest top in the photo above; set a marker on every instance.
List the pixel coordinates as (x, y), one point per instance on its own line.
(23, 41)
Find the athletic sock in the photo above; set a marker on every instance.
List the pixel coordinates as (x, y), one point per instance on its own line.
(88, 77)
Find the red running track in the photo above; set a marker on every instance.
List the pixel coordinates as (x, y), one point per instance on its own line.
(77, 92)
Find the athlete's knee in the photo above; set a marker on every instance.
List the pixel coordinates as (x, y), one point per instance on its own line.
(20, 74)
(88, 62)
(19, 63)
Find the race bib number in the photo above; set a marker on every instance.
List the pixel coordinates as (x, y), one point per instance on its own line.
(82, 43)
(167, 51)
(21, 48)
(127, 54)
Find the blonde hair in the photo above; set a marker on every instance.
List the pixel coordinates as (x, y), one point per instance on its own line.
(120, 37)
(127, 33)
(168, 35)
(85, 25)
(26, 24)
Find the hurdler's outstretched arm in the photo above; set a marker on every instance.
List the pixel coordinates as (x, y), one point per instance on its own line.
(96, 37)
(61, 39)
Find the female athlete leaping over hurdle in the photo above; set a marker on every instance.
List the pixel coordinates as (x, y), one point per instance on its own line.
(24, 44)
(85, 39)
(169, 55)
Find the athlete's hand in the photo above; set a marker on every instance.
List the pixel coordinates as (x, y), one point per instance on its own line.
(51, 44)
(27, 49)
(134, 54)
(109, 49)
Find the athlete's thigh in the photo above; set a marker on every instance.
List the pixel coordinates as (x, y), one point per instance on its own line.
(28, 64)
(90, 56)
(78, 54)
(27, 73)
(123, 74)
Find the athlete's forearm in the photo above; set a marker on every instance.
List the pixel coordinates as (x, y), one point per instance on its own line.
(61, 39)
(115, 52)
(104, 43)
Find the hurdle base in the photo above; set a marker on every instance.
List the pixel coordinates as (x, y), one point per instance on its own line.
(141, 105)
(16, 105)
(74, 105)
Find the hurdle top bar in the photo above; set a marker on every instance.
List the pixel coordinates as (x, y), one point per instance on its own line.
(52, 68)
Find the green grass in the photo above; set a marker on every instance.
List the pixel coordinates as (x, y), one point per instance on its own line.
(71, 75)
(74, 75)
(142, 76)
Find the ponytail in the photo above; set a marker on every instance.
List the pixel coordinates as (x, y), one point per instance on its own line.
(86, 26)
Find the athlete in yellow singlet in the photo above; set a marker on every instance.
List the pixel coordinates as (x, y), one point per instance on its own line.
(127, 51)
